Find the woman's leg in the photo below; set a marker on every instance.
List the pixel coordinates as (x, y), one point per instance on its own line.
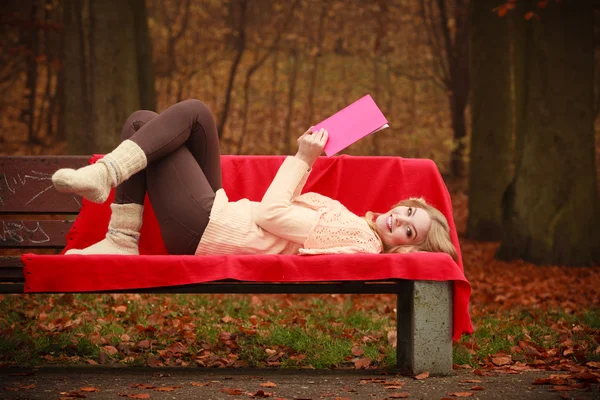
(181, 197)
(189, 122)
(133, 190)
(180, 183)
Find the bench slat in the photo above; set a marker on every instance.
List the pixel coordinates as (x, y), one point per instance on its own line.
(34, 233)
(11, 269)
(26, 186)
(348, 287)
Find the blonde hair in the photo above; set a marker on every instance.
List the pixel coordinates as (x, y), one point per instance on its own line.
(438, 238)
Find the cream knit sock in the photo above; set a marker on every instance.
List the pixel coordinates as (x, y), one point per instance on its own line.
(123, 232)
(94, 182)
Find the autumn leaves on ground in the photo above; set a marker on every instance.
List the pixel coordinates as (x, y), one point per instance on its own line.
(526, 318)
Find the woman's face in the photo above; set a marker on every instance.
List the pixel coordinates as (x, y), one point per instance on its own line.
(403, 226)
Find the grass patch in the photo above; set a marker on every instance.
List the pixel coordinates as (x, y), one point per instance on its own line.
(285, 331)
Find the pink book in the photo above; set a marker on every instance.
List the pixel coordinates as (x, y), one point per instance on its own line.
(352, 123)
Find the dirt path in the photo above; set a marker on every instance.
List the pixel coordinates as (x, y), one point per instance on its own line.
(56, 383)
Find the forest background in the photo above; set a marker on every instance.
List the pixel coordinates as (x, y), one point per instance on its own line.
(502, 95)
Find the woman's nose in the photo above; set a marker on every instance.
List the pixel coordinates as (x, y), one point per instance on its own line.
(400, 219)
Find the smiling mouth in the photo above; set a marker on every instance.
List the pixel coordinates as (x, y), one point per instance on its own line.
(388, 221)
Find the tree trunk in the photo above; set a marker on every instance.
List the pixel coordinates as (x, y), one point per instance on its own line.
(552, 207)
(457, 54)
(315, 61)
(378, 54)
(32, 73)
(452, 66)
(145, 66)
(274, 121)
(100, 73)
(292, 77)
(241, 47)
(491, 121)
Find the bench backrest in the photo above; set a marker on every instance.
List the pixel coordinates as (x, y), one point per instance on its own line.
(33, 216)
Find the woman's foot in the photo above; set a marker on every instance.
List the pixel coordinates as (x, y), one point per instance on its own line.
(123, 232)
(92, 182)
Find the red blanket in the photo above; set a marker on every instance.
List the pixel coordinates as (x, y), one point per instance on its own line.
(360, 183)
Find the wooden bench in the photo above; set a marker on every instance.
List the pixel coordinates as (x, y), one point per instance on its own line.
(36, 218)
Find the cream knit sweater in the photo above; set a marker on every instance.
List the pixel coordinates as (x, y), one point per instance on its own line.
(285, 222)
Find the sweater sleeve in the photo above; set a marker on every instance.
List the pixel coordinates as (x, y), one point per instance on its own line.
(277, 214)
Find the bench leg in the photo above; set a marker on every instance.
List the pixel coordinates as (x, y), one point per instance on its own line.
(424, 327)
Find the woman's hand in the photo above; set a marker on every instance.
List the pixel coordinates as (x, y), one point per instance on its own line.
(310, 145)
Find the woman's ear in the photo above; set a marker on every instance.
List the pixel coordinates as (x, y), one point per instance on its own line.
(374, 216)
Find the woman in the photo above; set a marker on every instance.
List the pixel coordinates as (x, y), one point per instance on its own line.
(175, 158)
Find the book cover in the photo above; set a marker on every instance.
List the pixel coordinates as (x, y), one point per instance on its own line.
(351, 124)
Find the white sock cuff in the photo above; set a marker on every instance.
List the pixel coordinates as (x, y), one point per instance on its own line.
(125, 160)
(126, 217)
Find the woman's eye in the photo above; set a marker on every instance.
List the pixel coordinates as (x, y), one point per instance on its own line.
(408, 232)
(410, 211)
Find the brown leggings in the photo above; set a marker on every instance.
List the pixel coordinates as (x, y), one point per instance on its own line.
(183, 172)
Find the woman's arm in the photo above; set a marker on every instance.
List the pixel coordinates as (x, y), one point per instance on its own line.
(276, 213)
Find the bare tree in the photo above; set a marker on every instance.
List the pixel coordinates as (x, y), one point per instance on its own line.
(292, 78)
(282, 23)
(31, 86)
(239, 8)
(316, 53)
(450, 48)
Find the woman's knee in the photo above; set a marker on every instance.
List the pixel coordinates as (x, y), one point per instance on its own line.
(135, 122)
(200, 110)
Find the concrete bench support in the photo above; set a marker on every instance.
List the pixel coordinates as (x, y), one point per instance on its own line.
(424, 323)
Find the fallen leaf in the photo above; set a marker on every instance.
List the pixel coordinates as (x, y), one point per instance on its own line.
(110, 350)
(120, 309)
(227, 319)
(470, 381)
(422, 375)
(142, 386)
(362, 363)
(561, 388)
(392, 338)
(399, 395)
(199, 383)
(177, 348)
(477, 388)
(593, 364)
(74, 395)
(500, 361)
(461, 394)
(89, 389)
(357, 351)
(268, 384)
(166, 388)
(233, 392)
